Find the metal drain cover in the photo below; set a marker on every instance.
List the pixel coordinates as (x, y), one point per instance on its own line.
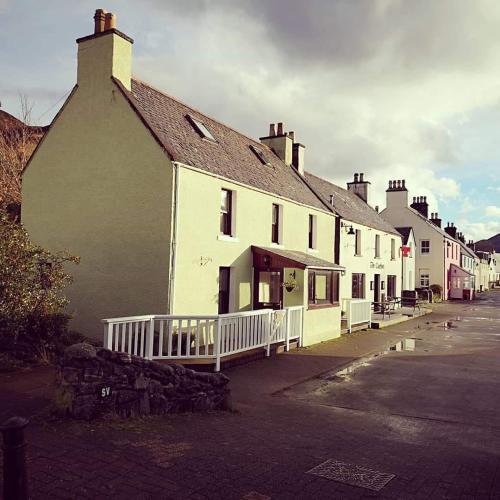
(353, 475)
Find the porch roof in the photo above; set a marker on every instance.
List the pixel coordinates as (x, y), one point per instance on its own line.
(458, 271)
(291, 258)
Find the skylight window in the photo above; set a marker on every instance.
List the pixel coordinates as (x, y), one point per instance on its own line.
(200, 128)
(259, 154)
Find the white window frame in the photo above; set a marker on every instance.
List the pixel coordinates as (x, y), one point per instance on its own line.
(280, 224)
(358, 233)
(234, 204)
(377, 246)
(314, 232)
(421, 274)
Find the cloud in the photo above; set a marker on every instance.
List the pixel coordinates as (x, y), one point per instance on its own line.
(378, 87)
(492, 211)
(491, 188)
(384, 87)
(478, 230)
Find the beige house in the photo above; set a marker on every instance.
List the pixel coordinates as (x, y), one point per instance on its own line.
(171, 211)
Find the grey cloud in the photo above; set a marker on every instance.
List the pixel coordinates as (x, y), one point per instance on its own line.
(412, 36)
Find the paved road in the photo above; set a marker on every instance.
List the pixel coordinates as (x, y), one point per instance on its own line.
(429, 417)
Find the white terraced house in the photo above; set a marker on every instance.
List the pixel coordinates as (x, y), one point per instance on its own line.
(369, 247)
(436, 250)
(196, 241)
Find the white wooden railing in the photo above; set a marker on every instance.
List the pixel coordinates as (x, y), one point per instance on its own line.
(357, 311)
(203, 337)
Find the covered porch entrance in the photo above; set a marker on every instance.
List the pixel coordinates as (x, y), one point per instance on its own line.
(288, 278)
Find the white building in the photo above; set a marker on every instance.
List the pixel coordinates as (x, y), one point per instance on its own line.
(369, 246)
(436, 250)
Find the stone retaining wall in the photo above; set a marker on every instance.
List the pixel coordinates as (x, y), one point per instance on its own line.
(94, 382)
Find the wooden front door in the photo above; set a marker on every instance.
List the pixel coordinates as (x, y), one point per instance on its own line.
(376, 288)
(224, 279)
(268, 292)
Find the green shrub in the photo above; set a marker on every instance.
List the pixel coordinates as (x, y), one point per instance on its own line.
(32, 279)
(437, 293)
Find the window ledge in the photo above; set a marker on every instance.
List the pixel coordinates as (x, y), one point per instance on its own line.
(277, 245)
(226, 237)
(312, 250)
(358, 255)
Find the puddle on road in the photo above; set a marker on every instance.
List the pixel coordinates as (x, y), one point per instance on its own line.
(408, 344)
(404, 345)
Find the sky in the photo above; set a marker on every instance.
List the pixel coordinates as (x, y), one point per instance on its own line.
(396, 89)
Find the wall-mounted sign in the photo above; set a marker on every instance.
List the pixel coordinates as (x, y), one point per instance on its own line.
(376, 265)
(105, 391)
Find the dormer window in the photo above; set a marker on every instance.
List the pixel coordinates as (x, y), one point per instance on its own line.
(259, 154)
(200, 128)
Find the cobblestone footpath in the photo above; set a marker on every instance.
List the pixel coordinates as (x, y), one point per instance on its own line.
(439, 437)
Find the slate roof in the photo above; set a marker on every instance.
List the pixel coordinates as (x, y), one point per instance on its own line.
(349, 205)
(405, 233)
(304, 259)
(466, 249)
(230, 156)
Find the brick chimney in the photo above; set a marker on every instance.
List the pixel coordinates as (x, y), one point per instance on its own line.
(461, 237)
(420, 205)
(435, 219)
(283, 146)
(451, 230)
(396, 194)
(472, 245)
(360, 187)
(105, 53)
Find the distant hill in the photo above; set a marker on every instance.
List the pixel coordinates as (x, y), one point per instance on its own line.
(492, 243)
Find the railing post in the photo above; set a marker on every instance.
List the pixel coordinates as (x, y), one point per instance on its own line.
(287, 329)
(217, 344)
(268, 346)
(150, 339)
(108, 336)
(15, 479)
(301, 339)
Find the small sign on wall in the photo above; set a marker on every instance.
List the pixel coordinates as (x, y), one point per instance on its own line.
(105, 391)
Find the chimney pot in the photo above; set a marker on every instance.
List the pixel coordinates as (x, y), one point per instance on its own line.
(376, 208)
(331, 199)
(403, 184)
(390, 184)
(361, 177)
(292, 135)
(99, 20)
(355, 177)
(109, 21)
(399, 184)
(272, 131)
(280, 128)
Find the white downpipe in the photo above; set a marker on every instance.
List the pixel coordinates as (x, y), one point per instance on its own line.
(173, 256)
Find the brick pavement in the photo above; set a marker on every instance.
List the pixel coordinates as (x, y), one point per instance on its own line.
(263, 449)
